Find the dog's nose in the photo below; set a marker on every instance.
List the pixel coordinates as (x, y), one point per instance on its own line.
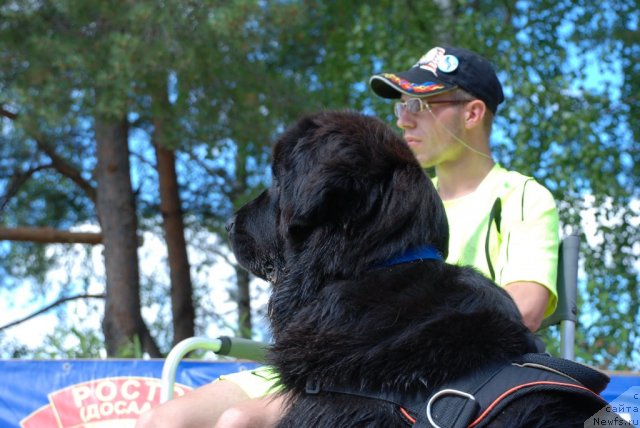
(230, 223)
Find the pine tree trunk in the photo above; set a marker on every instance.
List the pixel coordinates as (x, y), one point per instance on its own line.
(122, 325)
(170, 207)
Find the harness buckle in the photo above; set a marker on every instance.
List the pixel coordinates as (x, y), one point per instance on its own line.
(440, 394)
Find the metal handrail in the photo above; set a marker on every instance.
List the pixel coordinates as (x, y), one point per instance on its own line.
(232, 346)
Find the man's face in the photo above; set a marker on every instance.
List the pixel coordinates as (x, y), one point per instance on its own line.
(429, 133)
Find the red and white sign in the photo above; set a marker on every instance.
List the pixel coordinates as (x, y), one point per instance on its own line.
(100, 403)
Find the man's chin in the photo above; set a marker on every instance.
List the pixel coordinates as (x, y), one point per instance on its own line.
(426, 162)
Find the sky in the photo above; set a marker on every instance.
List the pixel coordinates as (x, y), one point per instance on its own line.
(20, 303)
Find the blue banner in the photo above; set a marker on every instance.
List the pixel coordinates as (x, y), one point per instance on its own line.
(92, 393)
(113, 393)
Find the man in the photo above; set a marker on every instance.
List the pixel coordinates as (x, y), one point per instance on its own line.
(503, 223)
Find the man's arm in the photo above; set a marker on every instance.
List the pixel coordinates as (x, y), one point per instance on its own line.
(220, 404)
(262, 412)
(529, 262)
(199, 408)
(531, 299)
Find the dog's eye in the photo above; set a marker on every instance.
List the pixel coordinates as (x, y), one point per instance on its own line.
(270, 272)
(275, 185)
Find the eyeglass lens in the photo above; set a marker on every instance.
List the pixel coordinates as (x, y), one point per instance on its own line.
(412, 105)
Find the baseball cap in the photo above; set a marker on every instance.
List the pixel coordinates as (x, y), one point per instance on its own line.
(440, 70)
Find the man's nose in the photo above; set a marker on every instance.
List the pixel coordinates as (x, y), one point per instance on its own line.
(405, 120)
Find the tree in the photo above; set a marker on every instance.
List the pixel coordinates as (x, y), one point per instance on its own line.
(237, 72)
(116, 211)
(54, 29)
(108, 87)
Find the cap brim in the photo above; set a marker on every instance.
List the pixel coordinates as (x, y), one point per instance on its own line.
(415, 82)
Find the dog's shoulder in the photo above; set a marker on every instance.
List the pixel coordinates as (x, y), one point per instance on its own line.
(406, 321)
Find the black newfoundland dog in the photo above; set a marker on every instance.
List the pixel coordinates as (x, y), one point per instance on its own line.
(369, 322)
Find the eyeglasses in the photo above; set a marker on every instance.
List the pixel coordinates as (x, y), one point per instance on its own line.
(416, 105)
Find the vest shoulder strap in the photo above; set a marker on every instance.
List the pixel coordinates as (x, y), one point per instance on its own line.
(495, 216)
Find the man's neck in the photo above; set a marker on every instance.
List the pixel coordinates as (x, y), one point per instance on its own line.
(456, 179)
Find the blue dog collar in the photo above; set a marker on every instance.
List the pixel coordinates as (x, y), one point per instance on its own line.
(428, 252)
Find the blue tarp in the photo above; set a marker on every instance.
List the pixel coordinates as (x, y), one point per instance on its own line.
(112, 393)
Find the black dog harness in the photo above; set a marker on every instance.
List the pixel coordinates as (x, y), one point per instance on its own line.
(475, 400)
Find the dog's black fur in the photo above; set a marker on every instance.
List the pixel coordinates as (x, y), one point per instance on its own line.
(348, 195)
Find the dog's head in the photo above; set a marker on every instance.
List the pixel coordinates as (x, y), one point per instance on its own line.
(347, 194)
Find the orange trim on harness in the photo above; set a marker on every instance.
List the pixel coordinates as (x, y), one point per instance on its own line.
(516, 388)
(407, 415)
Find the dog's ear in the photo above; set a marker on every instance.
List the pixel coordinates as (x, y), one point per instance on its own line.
(320, 171)
(322, 197)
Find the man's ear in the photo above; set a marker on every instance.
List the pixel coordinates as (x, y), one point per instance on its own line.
(475, 112)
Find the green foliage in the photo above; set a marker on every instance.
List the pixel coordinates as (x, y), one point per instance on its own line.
(25, 260)
(13, 348)
(575, 139)
(133, 349)
(222, 78)
(71, 342)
